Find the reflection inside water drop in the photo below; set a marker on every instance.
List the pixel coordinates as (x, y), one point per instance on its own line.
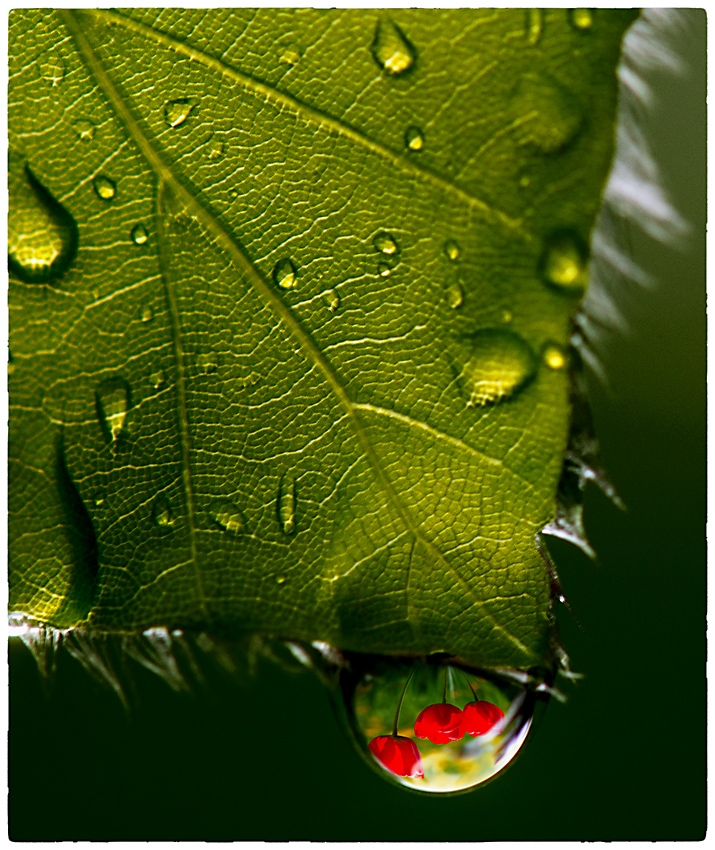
(432, 725)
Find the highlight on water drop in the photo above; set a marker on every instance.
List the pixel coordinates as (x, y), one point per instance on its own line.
(285, 274)
(581, 19)
(386, 243)
(499, 363)
(104, 187)
(161, 512)
(554, 357)
(392, 50)
(564, 262)
(113, 402)
(227, 516)
(139, 234)
(286, 504)
(451, 250)
(177, 111)
(84, 129)
(414, 138)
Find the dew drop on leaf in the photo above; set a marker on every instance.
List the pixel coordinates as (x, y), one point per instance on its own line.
(104, 187)
(139, 234)
(42, 236)
(563, 263)
(414, 139)
(207, 363)
(332, 299)
(284, 274)
(581, 19)
(500, 363)
(391, 49)
(216, 147)
(286, 503)
(290, 54)
(227, 516)
(157, 379)
(53, 70)
(451, 250)
(177, 111)
(147, 314)
(85, 129)
(554, 357)
(384, 270)
(161, 512)
(113, 400)
(385, 243)
(455, 296)
(281, 579)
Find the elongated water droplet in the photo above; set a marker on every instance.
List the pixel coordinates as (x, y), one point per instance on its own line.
(581, 19)
(104, 187)
(491, 717)
(157, 379)
(161, 512)
(384, 270)
(139, 234)
(385, 243)
(500, 363)
(84, 129)
(551, 115)
(284, 274)
(332, 299)
(113, 399)
(392, 50)
(455, 296)
(42, 237)
(177, 111)
(227, 516)
(554, 357)
(451, 249)
(563, 264)
(534, 25)
(147, 314)
(53, 70)
(414, 139)
(286, 504)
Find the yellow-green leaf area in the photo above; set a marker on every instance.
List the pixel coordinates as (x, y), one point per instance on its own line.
(252, 401)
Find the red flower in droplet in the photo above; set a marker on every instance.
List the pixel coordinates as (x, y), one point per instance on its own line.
(440, 723)
(398, 754)
(480, 717)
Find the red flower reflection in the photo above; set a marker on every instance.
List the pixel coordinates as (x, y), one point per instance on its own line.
(398, 754)
(480, 717)
(440, 723)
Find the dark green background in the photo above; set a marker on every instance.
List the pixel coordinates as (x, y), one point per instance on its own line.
(624, 759)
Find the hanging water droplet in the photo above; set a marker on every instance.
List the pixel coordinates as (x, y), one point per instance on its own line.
(177, 111)
(157, 379)
(451, 250)
(104, 187)
(147, 314)
(581, 19)
(481, 721)
(500, 363)
(227, 516)
(207, 363)
(139, 234)
(385, 243)
(551, 116)
(555, 357)
(332, 299)
(285, 505)
(284, 274)
(113, 400)
(161, 512)
(384, 270)
(391, 49)
(53, 70)
(216, 147)
(414, 139)
(42, 236)
(291, 54)
(84, 129)
(563, 263)
(455, 296)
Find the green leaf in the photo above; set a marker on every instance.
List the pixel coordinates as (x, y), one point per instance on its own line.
(303, 369)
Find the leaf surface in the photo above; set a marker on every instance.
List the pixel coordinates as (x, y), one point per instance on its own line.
(307, 372)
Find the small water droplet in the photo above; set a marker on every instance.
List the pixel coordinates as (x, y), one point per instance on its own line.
(385, 243)
(555, 357)
(42, 236)
(139, 234)
(104, 187)
(564, 262)
(53, 70)
(392, 50)
(500, 363)
(147, 313)
(581, 19)
(551, 116)
(161, 512)
(284, 274)
(455, 296)
(207, 363)
(384, 270)
(488, 719)
(113, 400)
(177, 111)
(281, 579)
(451, 249)
(332, 299)
(84, 129)
(285, 504)
(157, 379)
(506, 316)
(414, 139)
(227, 516)
(291, 54)
(216, 147)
